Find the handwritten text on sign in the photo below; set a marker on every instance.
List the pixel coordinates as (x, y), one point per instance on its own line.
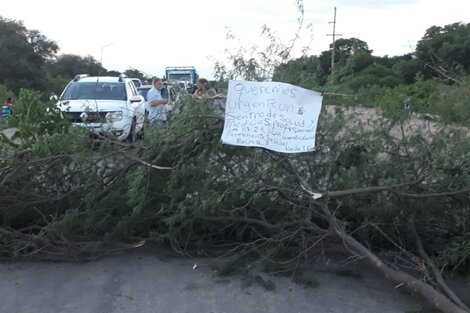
(276, 116)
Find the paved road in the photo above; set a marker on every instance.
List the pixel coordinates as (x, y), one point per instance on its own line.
(143, 282)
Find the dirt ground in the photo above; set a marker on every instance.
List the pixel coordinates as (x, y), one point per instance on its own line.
(369, 118)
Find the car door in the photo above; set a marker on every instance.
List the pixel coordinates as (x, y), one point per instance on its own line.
(137, 107)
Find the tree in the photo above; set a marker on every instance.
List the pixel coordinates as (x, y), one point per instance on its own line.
(313, 71)
(60, 70)
(378, 75)
(444, 50)
(305, 72)
(70, 65)
(113, 73)
(4, 93)
(23, 54)
(408, 69)
(355, 63)
(134, 73)
(359, 61)
(389, 61)
(344, 48)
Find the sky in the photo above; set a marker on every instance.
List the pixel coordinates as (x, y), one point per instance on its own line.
(150, 35)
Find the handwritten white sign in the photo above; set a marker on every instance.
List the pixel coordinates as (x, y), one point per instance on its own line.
(272, 115)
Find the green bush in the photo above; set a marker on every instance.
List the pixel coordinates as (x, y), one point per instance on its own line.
(5, 93)
(36, 118)
(456, 257)
(447, 103)
(452, 103)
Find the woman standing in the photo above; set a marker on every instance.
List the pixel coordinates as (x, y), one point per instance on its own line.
(204, 90)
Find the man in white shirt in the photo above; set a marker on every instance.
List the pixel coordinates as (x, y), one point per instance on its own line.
(156, 104)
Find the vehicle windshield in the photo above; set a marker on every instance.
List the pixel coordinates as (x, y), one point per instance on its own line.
(179, 76)
(95, 91)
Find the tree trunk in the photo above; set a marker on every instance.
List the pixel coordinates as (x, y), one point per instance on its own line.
(440, 301)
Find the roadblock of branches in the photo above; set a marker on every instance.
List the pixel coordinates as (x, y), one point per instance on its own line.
(387, 192)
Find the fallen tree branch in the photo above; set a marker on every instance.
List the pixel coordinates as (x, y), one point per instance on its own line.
(157, 167)
(435, 271)
(438, 299)
(412, 284)
(264, 223)
(433, 195)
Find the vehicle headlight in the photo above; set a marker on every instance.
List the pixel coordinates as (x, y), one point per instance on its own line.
(114, 116)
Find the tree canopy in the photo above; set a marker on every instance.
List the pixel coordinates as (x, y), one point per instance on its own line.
(28, 59)
(441, 53)
(445, 48)
(23, 54)
(69, 65)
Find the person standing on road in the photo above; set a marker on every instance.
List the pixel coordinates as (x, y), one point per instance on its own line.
(156, 103)
(204, 90)
(6, 109)
(407, 105)
(204, 93)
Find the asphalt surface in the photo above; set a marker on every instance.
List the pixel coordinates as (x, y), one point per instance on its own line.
(147, 282)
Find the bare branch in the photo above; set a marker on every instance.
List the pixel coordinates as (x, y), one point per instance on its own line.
(437, 274)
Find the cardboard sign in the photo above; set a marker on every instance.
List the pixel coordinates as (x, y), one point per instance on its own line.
(276, 116)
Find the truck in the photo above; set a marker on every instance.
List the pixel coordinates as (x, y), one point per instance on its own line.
(181, 74)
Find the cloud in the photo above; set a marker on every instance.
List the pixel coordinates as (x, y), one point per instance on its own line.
(389, 27)
(150, 35)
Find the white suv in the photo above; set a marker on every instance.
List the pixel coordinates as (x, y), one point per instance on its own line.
(105, 105)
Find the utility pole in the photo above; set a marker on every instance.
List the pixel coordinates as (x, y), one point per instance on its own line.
(333, 44)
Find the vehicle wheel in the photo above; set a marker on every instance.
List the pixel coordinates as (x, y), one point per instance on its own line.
(133, 136)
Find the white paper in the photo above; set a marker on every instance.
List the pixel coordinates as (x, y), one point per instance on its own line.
(276, 116)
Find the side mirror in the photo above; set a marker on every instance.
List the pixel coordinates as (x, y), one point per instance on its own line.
(53, 98)
(138, 98)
